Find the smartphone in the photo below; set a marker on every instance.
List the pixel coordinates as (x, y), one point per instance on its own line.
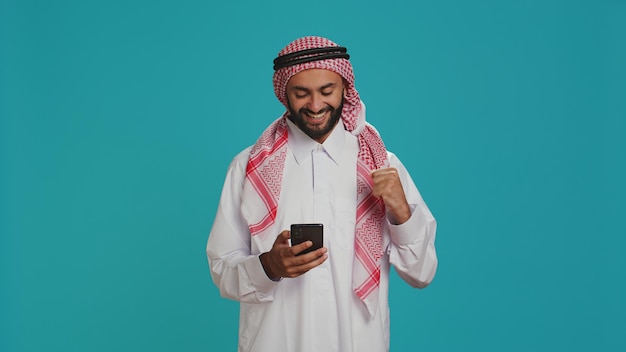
(307, 232)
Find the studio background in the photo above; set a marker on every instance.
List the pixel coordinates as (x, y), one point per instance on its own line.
(118, 120)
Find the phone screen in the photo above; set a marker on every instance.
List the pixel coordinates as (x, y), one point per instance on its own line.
(307, 232)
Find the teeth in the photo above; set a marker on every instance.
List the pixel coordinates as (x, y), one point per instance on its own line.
(318, 116)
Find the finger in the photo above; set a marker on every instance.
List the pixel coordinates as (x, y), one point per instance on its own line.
(292, 260)
(307, 262)
(384, 171)
(387, 180)
(283, 237)
(300, 247)
(304, 259)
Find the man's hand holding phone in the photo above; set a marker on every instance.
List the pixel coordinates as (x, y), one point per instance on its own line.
(284, 260)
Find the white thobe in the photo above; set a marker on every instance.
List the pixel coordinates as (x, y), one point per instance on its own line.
(317, 311)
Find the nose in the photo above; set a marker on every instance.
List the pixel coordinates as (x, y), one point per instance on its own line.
(317, 103)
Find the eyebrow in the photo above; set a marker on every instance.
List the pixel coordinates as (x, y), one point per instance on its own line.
(328, 85)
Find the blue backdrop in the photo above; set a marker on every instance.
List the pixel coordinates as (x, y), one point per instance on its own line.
(118, 120)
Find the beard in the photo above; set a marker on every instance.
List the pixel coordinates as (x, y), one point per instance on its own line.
(315, 132)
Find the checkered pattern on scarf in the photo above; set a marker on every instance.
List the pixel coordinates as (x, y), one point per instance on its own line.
(267, 160)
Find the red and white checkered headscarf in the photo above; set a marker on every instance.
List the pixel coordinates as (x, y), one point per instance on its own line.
(267, 159)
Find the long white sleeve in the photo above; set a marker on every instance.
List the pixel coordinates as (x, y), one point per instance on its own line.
(234, 268)
(412, 248)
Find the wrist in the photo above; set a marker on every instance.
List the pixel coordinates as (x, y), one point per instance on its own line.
(400, 216)
(266, 267)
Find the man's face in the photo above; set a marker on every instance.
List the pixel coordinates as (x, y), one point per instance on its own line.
(315, 99)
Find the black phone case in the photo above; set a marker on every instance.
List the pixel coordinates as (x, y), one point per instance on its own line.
(307, 232)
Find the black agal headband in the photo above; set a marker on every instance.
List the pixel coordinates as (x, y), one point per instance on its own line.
(308, 55)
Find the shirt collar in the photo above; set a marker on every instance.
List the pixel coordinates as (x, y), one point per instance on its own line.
(302, 145)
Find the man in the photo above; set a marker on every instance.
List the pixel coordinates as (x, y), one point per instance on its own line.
(320, 162)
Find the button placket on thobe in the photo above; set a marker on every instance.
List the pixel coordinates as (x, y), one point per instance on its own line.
(322, 178)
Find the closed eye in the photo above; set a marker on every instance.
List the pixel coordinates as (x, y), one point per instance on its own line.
(300, 92)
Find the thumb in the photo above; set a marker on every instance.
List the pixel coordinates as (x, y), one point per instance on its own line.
(283, 237)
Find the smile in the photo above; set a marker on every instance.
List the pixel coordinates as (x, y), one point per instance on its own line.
(317, 116)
